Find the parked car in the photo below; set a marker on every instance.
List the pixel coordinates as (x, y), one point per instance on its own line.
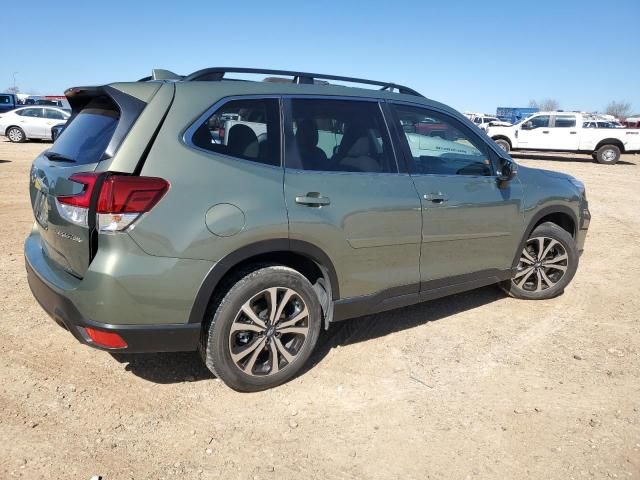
(565, 131)
(483, 121)
(155, 238)
(632, 122)
(8, 102)
(29, 123)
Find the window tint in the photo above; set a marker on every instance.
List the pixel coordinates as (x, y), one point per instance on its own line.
(565, 121)
(340, 136)
(54, 114)
(247, 129)
(5, 100)
(30, 112)
(438, 146)
(86, 137)
(540, 121)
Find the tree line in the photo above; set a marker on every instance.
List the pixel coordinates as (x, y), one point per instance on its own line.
(619, 109)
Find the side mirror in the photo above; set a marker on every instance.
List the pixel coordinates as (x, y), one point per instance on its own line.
(508, 170)
(527, 126)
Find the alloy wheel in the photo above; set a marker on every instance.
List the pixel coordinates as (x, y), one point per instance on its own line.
(543, 263)
(15, 135)
(269, 331)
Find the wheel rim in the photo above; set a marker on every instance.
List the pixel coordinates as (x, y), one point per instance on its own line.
(543, 263)
(15, 135)
(269, 331)
(609, 155)
(503, 146)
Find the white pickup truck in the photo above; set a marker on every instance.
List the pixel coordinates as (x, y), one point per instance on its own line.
(566, 132)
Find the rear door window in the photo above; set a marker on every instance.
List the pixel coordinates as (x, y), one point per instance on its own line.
(87, 135)
(565, 121)
(53, 114)
(338, 136)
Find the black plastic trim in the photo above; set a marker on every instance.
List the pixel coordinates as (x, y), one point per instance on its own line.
(280, 245)
(139, 338)
(404, 296)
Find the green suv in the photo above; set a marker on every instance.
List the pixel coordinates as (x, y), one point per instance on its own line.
(239, 218)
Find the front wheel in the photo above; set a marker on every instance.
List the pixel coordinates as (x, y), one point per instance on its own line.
(608, 154)
(503, 144)
(16, 135)
(547, 264)
(264, 329)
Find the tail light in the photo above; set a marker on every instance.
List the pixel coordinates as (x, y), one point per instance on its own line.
(121, 200)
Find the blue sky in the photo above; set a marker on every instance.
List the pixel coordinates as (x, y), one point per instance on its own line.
(473, 55)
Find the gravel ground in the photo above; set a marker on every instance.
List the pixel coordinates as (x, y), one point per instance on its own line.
(471, 386)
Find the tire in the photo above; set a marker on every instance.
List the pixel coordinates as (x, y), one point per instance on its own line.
(503, 144)
(608, 154)
(537, 279)
(16, 135)
(241, 341)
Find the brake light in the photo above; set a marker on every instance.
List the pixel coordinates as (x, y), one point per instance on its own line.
(106, 339)
(123, 199)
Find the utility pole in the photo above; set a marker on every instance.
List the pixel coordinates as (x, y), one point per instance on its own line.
(14, 81)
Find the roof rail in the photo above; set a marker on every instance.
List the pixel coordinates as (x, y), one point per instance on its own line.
(218, 73)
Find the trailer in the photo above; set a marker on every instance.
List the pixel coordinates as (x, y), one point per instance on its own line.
(515, 114)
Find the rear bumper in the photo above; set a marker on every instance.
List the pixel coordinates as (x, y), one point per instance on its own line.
(139, 338)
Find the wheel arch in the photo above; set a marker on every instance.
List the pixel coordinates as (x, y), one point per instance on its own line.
(561, 215)
(6, 130)
(305, 257)
(610, 141)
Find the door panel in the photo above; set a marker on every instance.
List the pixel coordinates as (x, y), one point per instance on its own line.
(367, 222)
(538, 137)
(565, 134)
(476, 229)
(469, 224)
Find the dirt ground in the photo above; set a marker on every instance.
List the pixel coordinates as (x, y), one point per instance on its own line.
(472, 386)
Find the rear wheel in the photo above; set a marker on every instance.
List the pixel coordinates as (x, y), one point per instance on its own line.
(547, 264)
(16, 135)
(503, 144)
(264, 329)
(608, 154)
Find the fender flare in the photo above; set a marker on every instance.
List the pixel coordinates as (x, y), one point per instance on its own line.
(535, 219)
(284, 245)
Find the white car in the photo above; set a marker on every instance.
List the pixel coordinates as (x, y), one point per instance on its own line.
(31, 122)
(567, 132)
(484, 121)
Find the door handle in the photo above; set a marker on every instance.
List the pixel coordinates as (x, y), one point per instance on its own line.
(545, 131)
(436, 197)
(313, 199)
(572, 133)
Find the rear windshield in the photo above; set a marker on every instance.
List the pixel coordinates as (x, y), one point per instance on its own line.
(86, 137)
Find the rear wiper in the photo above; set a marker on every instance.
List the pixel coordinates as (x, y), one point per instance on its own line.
(56, 157)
